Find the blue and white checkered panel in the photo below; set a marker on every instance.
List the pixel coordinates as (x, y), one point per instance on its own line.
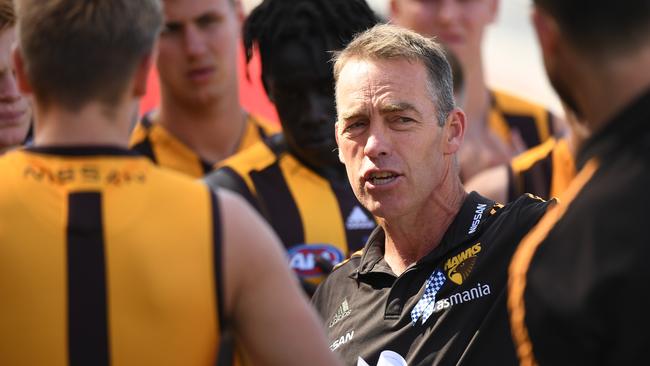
(424, 307)
(428, 311)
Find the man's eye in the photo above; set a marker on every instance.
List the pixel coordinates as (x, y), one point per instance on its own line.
(207, 20)
(402, 119)
(171, 28)
(354, 126)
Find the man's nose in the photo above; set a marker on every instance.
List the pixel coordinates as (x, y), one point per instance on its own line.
(194, 41)
(378, 142)
(447, 12)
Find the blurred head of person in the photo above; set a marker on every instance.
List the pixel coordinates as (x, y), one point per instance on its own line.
(398, 129)
(72, 54)
(458, 24)
(458, 76)
(295, 39)
(197, 57)
(582, 41)
(15, 110)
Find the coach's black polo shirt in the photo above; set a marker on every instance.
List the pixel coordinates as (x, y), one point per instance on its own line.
(367, 308)
(583, 286)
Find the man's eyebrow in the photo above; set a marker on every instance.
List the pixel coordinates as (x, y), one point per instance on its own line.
(386, 108)
(353, 114)
(397, 107)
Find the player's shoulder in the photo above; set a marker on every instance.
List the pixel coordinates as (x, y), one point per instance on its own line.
(141, 130)
(350, 264)
(172, 181)
(526, 210)
(257, 157)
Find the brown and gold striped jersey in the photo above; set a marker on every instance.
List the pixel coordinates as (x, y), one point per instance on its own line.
(103, 261)
(313, 216)
(545, 170)
(509, 113)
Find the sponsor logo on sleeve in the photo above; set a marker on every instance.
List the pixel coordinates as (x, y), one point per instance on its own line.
(478, 214)
(303, 258)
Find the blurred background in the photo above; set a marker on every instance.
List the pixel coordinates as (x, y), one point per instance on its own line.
(513, 60)
(512, 57)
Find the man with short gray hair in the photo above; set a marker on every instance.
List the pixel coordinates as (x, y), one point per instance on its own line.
(429, 284)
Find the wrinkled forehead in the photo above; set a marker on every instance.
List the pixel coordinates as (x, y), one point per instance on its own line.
(380, 81)
(356, 69)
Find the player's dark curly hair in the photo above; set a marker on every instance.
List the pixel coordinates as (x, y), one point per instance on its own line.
(335, 22)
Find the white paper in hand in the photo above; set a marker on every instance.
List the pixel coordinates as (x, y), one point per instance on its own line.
(386, 358)
(390, 358)
(361, 362)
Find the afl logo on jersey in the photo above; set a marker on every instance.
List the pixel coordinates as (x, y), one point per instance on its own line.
(303, 257)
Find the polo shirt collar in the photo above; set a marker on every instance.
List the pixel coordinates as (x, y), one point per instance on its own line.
(466, 226)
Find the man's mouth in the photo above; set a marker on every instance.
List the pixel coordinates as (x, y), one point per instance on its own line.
(11, 117)
(201, 74)
(450, 38)
(381, 178)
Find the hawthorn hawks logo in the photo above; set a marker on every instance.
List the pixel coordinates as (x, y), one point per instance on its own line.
(460, 266)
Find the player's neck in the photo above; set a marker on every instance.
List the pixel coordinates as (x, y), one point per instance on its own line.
(411, 237)
(92, 125)
(213, 130)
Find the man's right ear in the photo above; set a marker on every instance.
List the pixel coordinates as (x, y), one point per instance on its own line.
(21, 74)
(336, 136)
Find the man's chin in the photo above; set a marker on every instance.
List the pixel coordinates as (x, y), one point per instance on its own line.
(378, 207)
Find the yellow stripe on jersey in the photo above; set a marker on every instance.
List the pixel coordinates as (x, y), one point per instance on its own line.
(519, 266)
(544, 170)
(564, 168)
(528, 158)
(305, 186)
(256, 158)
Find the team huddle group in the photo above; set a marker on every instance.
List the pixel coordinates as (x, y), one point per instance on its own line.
(403, 213)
